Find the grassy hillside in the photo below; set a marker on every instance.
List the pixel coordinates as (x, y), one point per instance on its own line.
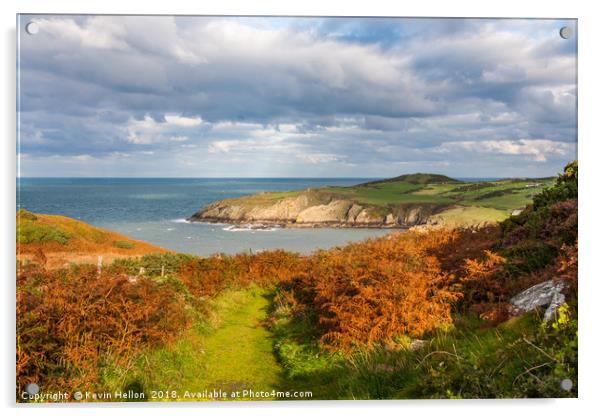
(56, 240)
(443, 200)
(503, 195)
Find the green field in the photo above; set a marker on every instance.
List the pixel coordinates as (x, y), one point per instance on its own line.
(503, 195)
(454, 201)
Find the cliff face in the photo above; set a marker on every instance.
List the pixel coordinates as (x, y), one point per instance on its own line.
(305, 211)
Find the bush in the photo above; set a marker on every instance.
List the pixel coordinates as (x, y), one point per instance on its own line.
(31, 231)
(124, 244)
(527, 256)
(23, 214)
(368, 293)
(565, 188)
(71, 321)
(152, 263)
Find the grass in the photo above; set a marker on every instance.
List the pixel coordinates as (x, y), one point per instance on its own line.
(387, 193)
(30, 231)
(231, 351)
(64, 240)
(469, 216)
(488, 201)
(513, 359)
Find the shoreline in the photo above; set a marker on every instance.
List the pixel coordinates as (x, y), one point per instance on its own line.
(259, 225)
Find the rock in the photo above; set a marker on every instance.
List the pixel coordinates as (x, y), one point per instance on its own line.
(546, 293)
(335, 211)
(366, 217)
(417, 344)
(354, 212)
(413, 216)
(286, 209)
(308, 209)
(516, 212)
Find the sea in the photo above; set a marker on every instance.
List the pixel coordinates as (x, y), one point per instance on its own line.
(155, 210)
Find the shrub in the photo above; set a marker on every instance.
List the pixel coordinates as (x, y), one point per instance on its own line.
(564, 188)
(367, 293)
(31, 231)
(123, 244)
(209, 276)
(152, 263)
(527, 256)
(70, 321)
(23, 214)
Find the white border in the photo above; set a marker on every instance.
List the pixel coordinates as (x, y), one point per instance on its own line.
(589, 155)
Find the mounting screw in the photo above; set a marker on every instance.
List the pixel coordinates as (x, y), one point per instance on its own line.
(565, 32)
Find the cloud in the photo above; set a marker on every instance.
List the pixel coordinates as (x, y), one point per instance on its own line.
(224, 146)
(179, 138)
(321, 158)
(274, 96)
(538, 150)
(178, 120)
(148, 130)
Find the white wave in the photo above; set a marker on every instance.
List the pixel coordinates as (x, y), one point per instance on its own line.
(185, 221)
(251, 228)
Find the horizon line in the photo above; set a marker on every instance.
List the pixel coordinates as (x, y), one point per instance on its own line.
(273, 177)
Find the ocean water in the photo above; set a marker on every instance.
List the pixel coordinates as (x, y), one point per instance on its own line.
(154, 210)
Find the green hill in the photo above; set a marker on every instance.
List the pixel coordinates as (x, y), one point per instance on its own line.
(403, 201)
(415, 178)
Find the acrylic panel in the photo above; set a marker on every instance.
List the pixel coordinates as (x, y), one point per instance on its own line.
(295, 208)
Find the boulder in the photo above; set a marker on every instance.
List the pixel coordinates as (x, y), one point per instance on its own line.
(547, 293)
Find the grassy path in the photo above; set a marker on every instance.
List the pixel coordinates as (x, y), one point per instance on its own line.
(238, 355)
(235, 354)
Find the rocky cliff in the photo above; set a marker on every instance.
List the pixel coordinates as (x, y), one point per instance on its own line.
(306, 210)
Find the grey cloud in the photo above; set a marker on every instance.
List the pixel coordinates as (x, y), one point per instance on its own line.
(359, 91)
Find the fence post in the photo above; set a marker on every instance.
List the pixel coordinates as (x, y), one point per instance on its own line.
(162, 270)
(99, 266)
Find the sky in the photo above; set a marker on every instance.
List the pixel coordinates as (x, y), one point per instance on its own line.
(164, 96)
